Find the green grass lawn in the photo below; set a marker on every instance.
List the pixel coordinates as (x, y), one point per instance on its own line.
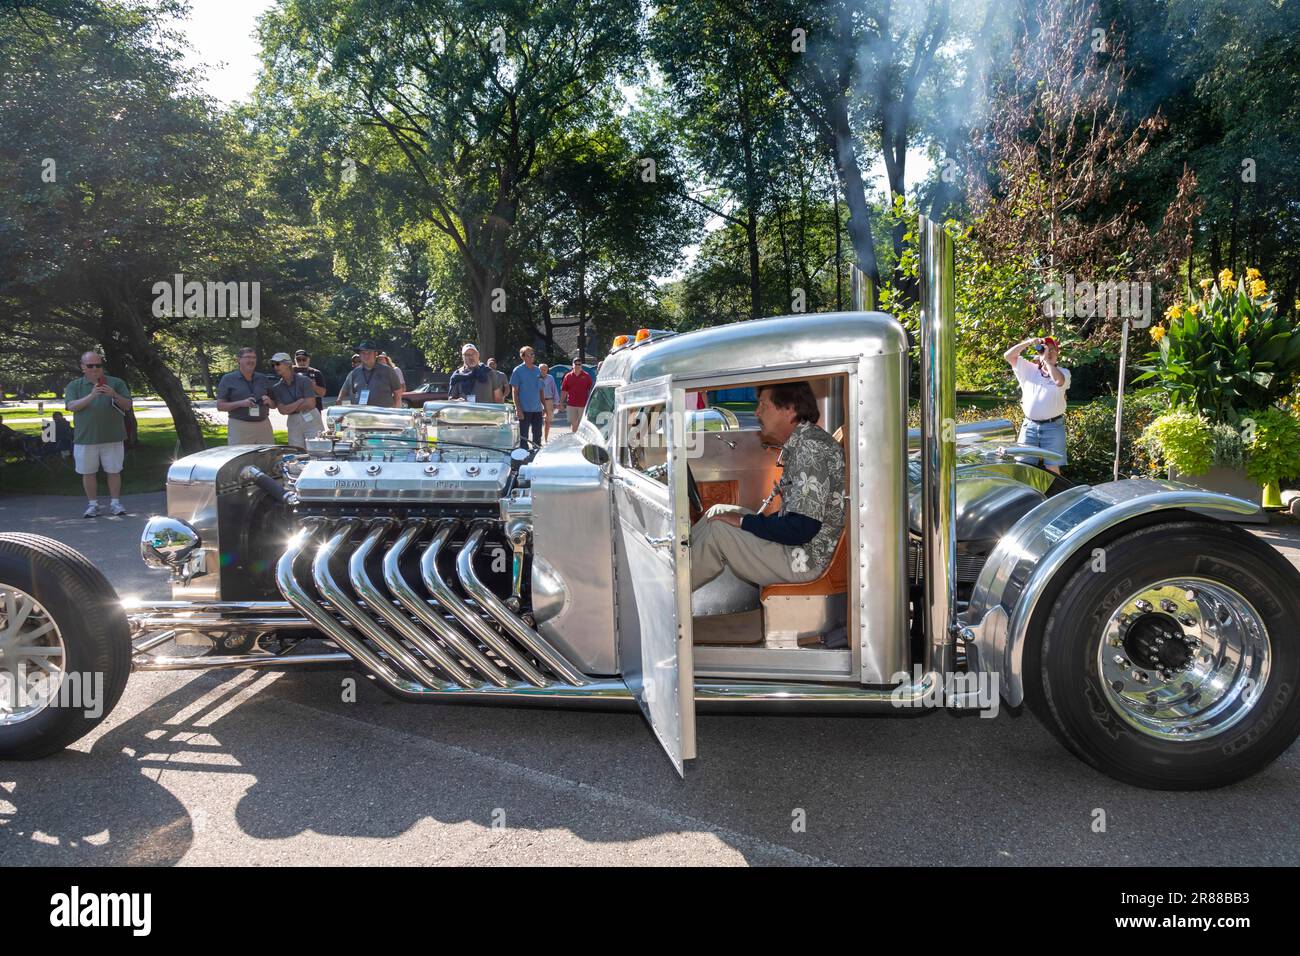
(145, 469)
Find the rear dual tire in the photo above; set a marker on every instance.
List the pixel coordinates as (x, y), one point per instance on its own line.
(1177, 667)
(58, 613)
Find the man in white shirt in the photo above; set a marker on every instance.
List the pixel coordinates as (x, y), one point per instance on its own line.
(1042, 397)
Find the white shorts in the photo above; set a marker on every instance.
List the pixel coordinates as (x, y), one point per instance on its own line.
(108, 455)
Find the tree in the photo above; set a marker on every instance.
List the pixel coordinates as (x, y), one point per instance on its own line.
(1058, 147)
(449, 103)
(125, 177)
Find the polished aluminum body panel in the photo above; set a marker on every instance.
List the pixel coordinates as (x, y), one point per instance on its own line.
(1030, 556)
(573, 565)
(205, 490)
(871, 349)
(652, 548)
(754, 346)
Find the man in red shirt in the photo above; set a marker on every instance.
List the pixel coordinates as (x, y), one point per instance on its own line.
(574, 389)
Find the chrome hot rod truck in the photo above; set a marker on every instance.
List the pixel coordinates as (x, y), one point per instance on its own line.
(1158, 642)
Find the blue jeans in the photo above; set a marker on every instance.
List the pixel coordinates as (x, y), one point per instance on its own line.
(1048, 435)
(530, 422)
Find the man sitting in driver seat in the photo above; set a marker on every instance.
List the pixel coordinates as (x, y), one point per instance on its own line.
(794, 545)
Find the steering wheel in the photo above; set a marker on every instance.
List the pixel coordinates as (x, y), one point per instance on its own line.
(693, 491)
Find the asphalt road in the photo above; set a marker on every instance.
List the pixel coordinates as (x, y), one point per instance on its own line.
(262, 769)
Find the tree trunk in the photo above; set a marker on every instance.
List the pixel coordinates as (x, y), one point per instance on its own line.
(482, 289)
(839, 257)
(855, 193)
(755, 281)
(205, 369)
(135, 340)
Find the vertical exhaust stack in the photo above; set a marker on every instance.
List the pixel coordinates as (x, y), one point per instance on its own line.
(938, 445)
(862, 291)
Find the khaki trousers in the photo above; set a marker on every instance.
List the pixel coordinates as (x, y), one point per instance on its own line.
(300, 431)
(716, 544)
(250, 433)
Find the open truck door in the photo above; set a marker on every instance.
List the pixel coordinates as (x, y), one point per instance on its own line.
(652, 553)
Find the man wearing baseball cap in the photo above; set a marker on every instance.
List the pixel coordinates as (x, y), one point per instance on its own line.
(1042, 397)
(370, 383)
(294, 395)
(302, 365)
(473, 382)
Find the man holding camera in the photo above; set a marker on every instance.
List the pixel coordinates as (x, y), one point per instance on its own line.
(245, 396)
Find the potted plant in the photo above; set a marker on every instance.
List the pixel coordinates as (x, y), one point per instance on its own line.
(1219, 354)
(1273, 451)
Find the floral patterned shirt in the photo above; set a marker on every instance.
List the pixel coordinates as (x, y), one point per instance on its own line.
(812, 484)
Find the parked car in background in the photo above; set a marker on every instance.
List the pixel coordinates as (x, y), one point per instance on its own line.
(434, 390)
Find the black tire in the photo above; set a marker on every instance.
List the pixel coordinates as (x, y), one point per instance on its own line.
(92, 625)
(1063, 686)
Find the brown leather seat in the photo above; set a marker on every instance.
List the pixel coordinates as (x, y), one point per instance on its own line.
(835, 578)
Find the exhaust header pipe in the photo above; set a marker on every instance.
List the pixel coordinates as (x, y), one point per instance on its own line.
(939, 444)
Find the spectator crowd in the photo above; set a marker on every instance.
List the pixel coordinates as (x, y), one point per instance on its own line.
(101, 405)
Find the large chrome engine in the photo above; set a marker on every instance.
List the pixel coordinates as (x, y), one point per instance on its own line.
(378, 459)
(409, 547)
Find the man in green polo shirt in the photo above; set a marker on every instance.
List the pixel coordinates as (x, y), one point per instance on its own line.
(99, 404)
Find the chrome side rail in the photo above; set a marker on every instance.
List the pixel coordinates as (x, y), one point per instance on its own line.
(152, 662)
(513, 626)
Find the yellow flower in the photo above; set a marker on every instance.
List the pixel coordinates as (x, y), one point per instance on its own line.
(1157, 333)
(1205, 286)
(1193, 308)
(1225, 278)
(1174, 312)
(1258, 288)
(1245, 322)
(1252, 275)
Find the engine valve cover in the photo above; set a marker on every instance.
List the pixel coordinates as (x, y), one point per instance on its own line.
(414, 482)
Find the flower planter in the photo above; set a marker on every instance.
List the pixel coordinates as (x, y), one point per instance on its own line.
(1227, 481)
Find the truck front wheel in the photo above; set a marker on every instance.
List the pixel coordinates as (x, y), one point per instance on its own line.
(65, 646)
(1176, 667)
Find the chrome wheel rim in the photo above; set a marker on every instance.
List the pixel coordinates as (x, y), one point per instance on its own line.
(1184, 659)
(32, 657)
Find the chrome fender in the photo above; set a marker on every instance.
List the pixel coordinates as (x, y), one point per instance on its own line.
(1040, 545)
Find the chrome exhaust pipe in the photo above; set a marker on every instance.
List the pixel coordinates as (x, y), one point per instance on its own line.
(430, 618)
(939, 454)
(328, 624)
(476, 626)
(325, 583)
(383, 606)
(512, 625)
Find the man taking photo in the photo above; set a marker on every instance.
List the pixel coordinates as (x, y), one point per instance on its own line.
(99, 404)
(245, 396)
